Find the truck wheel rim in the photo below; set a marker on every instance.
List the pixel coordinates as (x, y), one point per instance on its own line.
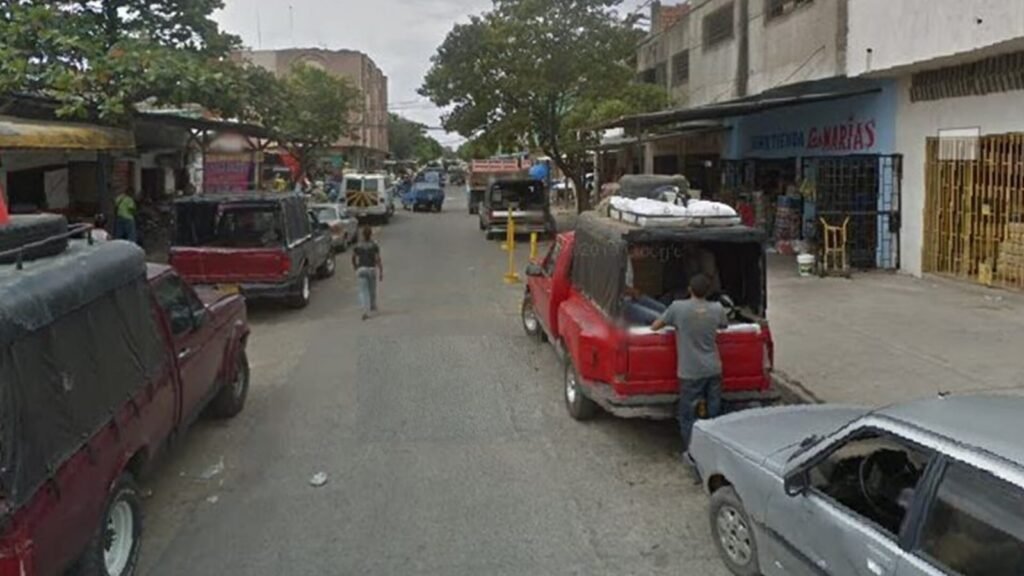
(238, 386)
(120, 538)
(330, 265)
(734, 535)
(305, 287)
(529, 318)
(570, 387)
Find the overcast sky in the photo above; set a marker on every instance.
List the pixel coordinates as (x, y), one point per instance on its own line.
(399, 35)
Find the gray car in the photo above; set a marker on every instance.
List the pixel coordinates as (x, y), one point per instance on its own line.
(934, 487)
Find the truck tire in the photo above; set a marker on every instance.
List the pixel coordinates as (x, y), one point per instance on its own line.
(733, 533)
(27, 229)
(114, 548)
(328, 268)
(481, 224)
(231, 399)
(473, 209)
(300, 299)
(531, 324)
(580, 407)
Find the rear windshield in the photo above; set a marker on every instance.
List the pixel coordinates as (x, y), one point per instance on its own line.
(326, 213)
(230, 226)
(524, 194)
(362, 184)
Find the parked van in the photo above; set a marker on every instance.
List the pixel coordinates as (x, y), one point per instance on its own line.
(368, 197)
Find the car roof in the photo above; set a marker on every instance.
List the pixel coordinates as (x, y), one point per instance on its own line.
(246, 197)
(992, 423)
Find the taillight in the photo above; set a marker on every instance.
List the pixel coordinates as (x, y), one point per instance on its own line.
(16, 557)
(767, 357)
(285, 264)
(622, 358)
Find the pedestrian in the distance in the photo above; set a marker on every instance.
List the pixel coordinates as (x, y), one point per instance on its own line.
(369, 267)
(124, 212)
(699, 368)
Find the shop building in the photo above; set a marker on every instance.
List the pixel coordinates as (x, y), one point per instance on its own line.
(958, 68)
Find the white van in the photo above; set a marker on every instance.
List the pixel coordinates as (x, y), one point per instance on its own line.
(367, 196)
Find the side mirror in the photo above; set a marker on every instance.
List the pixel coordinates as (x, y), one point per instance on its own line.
(534, 270)
(796, 483)
(323, 226)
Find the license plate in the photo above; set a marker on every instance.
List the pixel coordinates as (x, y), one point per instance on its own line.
(228, 288)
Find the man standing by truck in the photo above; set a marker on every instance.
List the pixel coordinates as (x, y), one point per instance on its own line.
(698, 365)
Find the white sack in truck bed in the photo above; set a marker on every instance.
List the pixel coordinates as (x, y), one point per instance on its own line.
(648, 212)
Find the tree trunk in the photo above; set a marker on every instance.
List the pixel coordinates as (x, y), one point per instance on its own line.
(576, 174)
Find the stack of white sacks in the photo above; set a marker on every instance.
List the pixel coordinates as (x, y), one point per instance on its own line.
(695, 210)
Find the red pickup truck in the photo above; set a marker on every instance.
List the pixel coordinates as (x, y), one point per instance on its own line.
(268, 246)
(575, 297)
(105, 360)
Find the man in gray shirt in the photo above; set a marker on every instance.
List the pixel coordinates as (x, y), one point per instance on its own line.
(698, 366)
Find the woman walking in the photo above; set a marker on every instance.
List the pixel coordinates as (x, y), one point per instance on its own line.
(369, 269)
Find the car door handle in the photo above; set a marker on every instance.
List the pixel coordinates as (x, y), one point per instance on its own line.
(184, 353)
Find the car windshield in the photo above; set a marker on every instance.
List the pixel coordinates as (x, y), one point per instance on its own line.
(326, 213)
(522, 194)
(249, 227)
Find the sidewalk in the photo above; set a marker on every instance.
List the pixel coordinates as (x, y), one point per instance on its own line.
(881, 338)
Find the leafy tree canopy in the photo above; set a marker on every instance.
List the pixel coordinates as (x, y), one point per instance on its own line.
(107, 56)
(409, 141)
(539, 73)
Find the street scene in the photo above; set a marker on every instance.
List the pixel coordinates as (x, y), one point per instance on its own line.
(531, 287)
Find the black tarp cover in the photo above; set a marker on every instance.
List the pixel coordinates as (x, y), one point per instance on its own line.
(78, 339)
(602, 249)
(647, 185)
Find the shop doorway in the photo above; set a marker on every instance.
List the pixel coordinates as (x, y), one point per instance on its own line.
(865, 189)
(974, 209)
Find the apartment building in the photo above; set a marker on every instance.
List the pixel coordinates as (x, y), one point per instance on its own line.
(367, 148)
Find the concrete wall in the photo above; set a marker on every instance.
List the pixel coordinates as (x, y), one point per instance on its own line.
(905, 32)
(370, 121)
(919, 120)
(803, 45)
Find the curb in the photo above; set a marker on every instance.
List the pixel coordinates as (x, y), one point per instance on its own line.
(792, 391)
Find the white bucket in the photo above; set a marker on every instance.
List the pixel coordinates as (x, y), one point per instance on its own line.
(805, 264)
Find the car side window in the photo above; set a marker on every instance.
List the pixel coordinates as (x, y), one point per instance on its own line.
(178, 303)
(874, 475)
(552, 260)
(975, 526)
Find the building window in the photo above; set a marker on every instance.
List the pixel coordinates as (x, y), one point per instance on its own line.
(718, 26)
(776, 8)
(681, 68)
(661, 74)
(648, 76)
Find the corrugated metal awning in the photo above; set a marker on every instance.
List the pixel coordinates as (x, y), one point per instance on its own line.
(27, 134)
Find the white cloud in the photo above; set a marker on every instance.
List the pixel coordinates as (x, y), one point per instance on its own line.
(399, 35)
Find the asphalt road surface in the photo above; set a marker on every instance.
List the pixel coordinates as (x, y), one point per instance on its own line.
(443, 433)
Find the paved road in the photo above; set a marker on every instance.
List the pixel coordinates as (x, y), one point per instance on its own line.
(444, 436)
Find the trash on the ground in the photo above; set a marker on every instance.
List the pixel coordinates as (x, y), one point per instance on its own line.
(213, 499)
(213, 470)
(318, 479)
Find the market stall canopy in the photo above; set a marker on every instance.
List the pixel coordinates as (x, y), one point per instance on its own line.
(27, 134)
(740, 107)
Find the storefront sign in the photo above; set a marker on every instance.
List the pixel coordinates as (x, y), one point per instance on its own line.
(851, 136)
(227, 172)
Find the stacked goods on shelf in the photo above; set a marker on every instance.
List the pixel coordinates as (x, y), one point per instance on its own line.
(1010, 266)
(788, 223)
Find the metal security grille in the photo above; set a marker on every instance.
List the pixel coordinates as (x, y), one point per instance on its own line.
(865, 189)
(974, 209)
(718, 26)
(681, 68)
(1001, 73)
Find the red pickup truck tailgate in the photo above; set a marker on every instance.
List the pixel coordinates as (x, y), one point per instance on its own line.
(652, 360)
(220, 265)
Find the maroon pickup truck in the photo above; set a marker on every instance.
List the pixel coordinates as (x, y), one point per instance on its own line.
(105, 360)
(268, 246)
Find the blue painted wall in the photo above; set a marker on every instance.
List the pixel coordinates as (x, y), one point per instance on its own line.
(863, 124)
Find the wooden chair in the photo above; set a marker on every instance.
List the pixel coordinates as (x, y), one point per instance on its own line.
(834, 255)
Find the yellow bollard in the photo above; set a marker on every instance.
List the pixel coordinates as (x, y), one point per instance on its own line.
(506, 245)
(511, 277)
(533, 246)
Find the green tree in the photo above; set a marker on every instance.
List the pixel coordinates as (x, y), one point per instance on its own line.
(409, 140)
(308, 110)
(105, 57)
(540, 73)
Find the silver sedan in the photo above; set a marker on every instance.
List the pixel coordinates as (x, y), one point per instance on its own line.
(343, 226)
(933, 487)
